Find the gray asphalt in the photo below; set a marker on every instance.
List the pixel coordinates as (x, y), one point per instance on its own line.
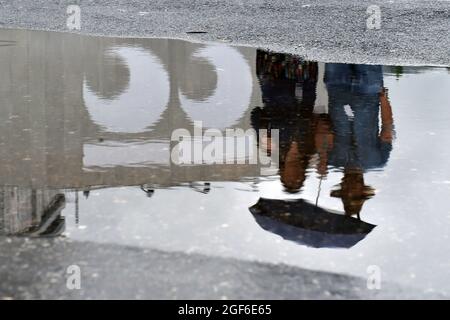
(37, 269)
(413, 32)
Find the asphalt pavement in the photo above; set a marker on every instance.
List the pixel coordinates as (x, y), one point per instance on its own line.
(412, 32)
(41, 269)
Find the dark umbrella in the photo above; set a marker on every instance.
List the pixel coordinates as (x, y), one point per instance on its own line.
(308, 224)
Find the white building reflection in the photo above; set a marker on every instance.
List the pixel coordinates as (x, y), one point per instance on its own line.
(105, 117)
(143, 101)
(232, 95)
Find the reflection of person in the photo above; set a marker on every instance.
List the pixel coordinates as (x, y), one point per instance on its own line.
(288, 89)
(355, 93)
(353, 191)
(356, 96)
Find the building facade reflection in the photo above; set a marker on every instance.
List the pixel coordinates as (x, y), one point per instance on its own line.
(31, 212)
(105, 117)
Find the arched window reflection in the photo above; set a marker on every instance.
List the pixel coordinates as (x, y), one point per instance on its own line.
(231, 97)
(141, 104)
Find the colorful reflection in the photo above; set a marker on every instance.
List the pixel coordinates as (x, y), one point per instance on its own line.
(328, 116)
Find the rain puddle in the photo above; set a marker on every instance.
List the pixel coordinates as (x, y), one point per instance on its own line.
(358, 172)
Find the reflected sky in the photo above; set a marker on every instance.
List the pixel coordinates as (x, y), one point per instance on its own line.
(85, 127)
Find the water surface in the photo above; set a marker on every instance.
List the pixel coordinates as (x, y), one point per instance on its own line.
(363, 176)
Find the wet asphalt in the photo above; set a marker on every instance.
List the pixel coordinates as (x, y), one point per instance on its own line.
(412, 32)
(40, 269)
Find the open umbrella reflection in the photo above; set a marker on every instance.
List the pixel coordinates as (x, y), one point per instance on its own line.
(308, 224)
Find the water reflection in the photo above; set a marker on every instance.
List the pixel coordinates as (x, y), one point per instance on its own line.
(104, 118)
(328, 117)
(31, 212)
(99, 112)
(82, 112)
(85, 152)
(308, 224)
(139, 104)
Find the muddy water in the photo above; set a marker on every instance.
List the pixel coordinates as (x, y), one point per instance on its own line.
(362, 176)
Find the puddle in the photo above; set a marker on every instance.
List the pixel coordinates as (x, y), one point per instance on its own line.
(361, 178)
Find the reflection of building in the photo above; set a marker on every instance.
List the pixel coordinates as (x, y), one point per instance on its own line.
(105, 117)
(31, 212)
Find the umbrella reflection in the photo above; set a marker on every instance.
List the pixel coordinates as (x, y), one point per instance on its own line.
(308, 224)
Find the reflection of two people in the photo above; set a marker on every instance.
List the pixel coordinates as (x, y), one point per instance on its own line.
(339, 129)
